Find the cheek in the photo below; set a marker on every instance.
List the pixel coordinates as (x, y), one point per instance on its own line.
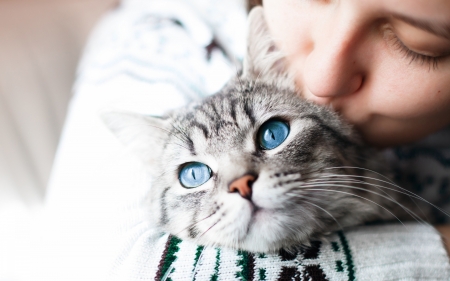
(410, 92)
(396, 89)
(400, 104)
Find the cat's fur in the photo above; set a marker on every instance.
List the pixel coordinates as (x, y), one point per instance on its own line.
(313, 183)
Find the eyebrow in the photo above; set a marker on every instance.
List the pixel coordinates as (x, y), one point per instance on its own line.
(439, 29)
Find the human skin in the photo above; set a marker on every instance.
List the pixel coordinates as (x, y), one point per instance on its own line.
(384, 65)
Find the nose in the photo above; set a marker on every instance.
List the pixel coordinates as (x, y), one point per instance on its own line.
(333, 66)
(243, 185)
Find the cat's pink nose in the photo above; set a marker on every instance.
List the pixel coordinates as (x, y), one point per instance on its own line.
(243, 185)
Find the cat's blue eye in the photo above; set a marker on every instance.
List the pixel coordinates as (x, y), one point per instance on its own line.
(272, 133)
(194, 174)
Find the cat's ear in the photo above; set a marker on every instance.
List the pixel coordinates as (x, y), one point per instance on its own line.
(144, 135)
(263, 60)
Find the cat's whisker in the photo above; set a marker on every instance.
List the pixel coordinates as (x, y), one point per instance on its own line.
(348, 193)
(411, 195)
(412, 214)
(214, 224)
(165, 130)
(407, 210)
(306, 198)
(339, 184)
(365, 183)
(379, 187)
(180, 145)
(182, 132)
(307, 175)
(405, 191)
(361, 168)
(170, 133)
(193, 224)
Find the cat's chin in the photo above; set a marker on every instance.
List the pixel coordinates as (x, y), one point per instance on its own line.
(260, 244)
(259, 241)
(267, 233)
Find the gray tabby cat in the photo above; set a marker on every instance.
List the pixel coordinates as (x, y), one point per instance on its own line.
(254, 166)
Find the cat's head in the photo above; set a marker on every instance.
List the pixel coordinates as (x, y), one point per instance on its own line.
(248, 167)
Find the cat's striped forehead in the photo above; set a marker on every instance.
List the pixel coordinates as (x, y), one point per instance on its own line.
(221, 115)
(230, 120)
(227, 120)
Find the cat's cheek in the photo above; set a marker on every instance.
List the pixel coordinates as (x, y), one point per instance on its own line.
(265, 195)
(267, 200)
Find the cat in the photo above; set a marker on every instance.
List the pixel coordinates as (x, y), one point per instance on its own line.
(256, 167)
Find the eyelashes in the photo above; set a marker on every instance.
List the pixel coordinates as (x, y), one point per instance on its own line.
(414, 57)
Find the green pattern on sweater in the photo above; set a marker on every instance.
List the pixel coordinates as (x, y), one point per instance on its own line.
(212, 264)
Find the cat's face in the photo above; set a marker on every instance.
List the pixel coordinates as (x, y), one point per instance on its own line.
(243, 170)
(250, 167)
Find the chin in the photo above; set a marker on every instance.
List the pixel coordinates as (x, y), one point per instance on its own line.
(268, 234)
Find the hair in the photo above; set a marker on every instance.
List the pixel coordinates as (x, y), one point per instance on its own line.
(253, 3)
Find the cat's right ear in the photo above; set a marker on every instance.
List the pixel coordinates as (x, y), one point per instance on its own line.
(144, 135)
(263, 59)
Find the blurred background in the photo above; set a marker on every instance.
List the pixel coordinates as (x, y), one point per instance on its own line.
(40, 44)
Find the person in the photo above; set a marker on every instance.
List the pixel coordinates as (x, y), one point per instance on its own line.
(383, 65)
(150, 56)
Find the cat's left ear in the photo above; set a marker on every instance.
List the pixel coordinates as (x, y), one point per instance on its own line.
(144, 135)
(263, 60)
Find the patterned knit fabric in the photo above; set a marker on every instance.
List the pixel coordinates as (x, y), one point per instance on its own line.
(357, 254)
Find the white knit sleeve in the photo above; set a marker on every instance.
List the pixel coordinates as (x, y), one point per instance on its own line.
(154, 55)
(382, 252)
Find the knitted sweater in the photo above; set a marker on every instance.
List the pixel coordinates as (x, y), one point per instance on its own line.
(364, 253)
(151, 56)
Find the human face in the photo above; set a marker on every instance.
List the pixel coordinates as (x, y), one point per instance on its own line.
(383, 64)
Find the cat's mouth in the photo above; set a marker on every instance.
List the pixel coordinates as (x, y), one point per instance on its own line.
(260, 215)
(255, 208)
